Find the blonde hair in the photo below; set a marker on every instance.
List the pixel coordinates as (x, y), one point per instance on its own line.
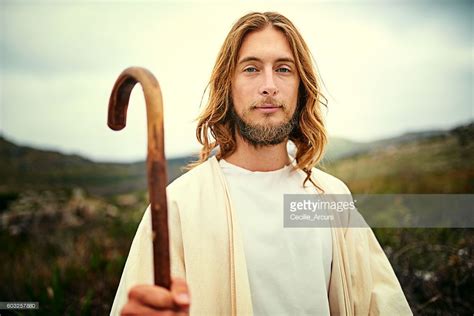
(309, 136)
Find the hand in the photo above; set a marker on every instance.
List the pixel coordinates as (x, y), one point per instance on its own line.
(155, 300)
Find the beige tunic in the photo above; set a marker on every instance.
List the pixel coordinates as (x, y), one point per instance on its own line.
(206, 249)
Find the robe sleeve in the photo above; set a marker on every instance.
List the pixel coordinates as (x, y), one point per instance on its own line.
(375, 286)
(387, 296)
(139, 265)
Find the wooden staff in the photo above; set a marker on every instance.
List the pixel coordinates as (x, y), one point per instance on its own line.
(156, 162)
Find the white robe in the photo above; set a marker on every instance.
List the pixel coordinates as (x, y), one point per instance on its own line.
(206, 249)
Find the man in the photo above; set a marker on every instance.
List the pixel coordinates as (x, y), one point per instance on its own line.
(230, 254)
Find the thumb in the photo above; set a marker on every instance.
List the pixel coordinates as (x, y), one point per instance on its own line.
(180, 292)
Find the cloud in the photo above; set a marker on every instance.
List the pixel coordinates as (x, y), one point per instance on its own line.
(387, 67)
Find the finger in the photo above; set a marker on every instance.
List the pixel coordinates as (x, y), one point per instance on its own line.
(153, 296)
(134, 308)
(180, 292)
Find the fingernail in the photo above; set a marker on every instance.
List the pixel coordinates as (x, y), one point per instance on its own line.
(183, 298)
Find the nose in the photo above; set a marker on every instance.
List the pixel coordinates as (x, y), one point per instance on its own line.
(268, 86)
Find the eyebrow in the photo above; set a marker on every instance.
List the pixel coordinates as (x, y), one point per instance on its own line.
(252, 58)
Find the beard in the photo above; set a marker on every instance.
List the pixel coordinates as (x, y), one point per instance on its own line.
(267, 134)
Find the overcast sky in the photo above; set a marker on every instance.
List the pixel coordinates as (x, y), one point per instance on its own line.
(388, 67)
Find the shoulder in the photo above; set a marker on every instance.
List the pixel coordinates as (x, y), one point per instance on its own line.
(329, 183)
(195, 179)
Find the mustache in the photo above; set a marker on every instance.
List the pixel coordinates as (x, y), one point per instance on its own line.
(268, 100)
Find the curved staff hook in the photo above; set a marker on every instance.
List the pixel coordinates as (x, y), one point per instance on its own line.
(156, 162)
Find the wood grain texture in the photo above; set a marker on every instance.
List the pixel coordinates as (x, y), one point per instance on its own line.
(156, 161)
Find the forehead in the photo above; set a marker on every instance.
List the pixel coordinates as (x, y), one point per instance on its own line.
(268, 43)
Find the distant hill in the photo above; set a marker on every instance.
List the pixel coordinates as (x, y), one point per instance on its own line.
(431, 162)
(24, 167)
(342, 148)
(338, 147)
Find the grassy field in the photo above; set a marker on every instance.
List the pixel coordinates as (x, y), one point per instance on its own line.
(65, 243)
(434, 265)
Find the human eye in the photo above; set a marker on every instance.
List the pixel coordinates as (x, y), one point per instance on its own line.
(283, 69)
(250, 69)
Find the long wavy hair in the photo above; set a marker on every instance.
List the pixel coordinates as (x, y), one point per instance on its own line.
(216, 129)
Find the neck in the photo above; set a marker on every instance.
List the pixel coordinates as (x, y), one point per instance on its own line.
(265, 158)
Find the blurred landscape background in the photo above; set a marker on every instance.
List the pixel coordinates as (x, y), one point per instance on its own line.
(66, 222)
(72, 191)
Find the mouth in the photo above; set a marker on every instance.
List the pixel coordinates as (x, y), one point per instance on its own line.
(268, 108)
